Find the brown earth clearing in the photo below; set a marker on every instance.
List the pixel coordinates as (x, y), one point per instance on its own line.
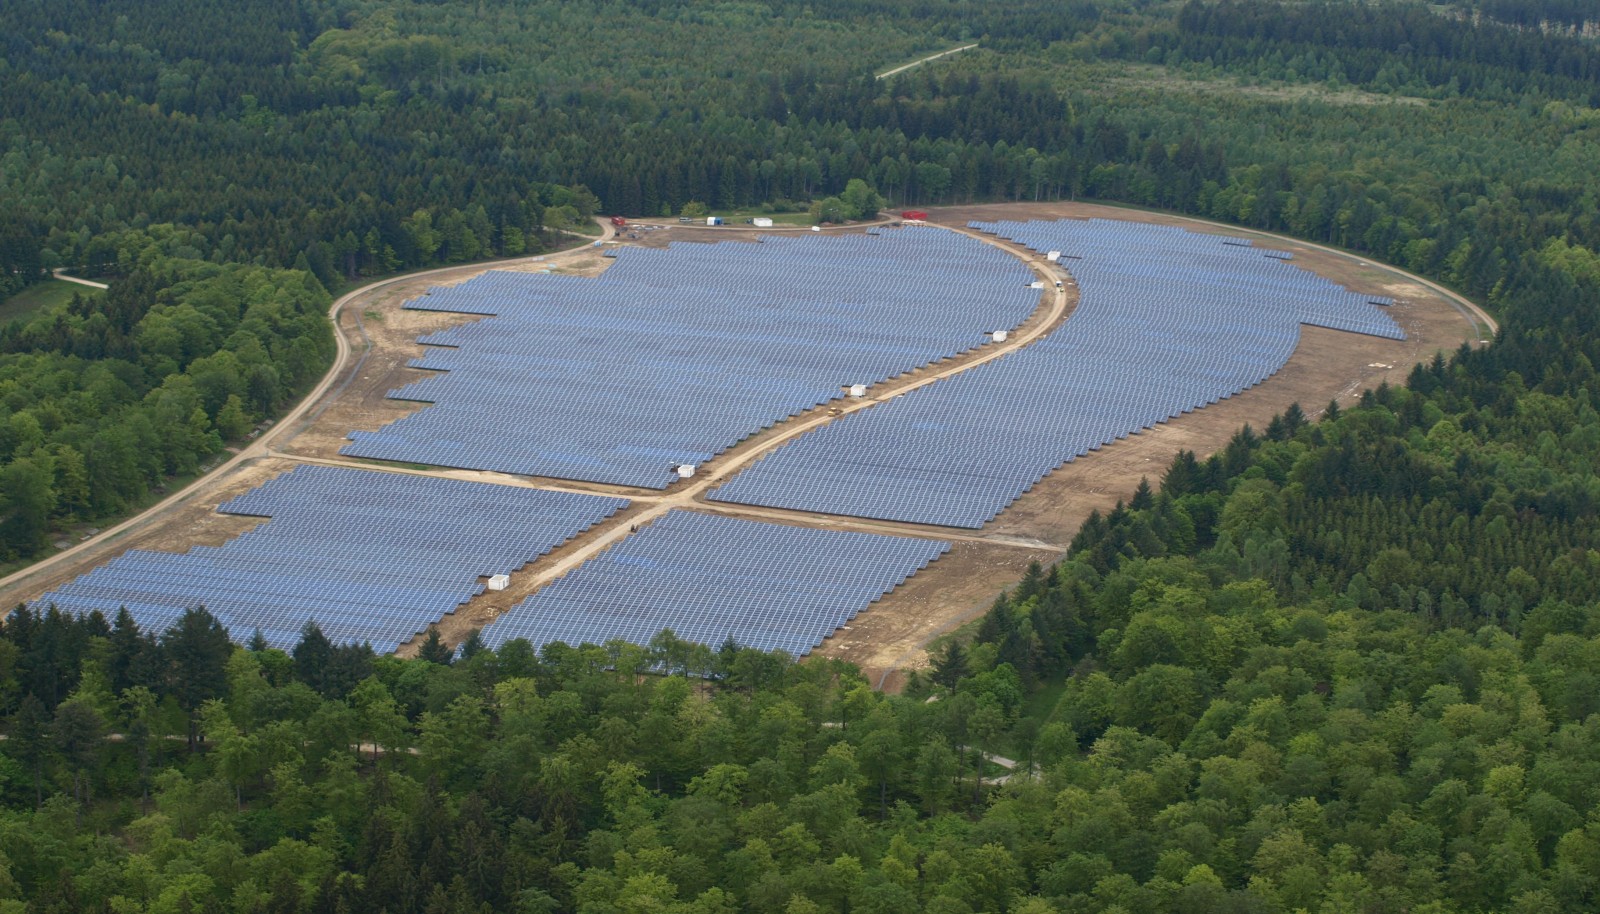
(889, 637)
(1327, 365)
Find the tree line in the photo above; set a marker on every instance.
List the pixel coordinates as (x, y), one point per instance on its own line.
(109, 397)
(1344, 664)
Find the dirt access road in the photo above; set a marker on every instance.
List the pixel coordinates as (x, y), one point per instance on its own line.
(187, 517)
(1327, 365)
(96, 549)
(890, 636)
(649, 506)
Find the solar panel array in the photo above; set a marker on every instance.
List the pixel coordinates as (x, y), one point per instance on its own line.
(674, 355)
(370, 556)
(711, 578)
(1168, 321)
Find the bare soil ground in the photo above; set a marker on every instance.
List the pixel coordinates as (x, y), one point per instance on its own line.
(1327, 365)
(364, 404)
(890, 637)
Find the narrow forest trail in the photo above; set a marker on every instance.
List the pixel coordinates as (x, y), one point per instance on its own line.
(917, 63)
(78, 281)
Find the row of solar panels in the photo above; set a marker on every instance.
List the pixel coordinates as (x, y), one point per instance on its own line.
(370, 556)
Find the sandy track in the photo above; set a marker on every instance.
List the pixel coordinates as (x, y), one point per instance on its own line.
(691, 493)
(1327, 365)
(917, 63)
(13, 587)
(892, 634)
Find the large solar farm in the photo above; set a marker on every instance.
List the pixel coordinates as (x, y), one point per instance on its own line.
(841, 442)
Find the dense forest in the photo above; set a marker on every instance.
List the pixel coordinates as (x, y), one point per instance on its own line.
(111, 396)
(1346, 664)
(359, 138)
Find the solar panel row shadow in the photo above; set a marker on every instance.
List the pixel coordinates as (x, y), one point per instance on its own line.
(369, 556)
(710, 578)
(1168, 321)
(674, 355)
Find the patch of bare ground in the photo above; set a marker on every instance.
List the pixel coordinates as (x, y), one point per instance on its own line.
(890, 636)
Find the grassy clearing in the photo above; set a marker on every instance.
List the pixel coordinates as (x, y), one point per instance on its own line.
(1041, 705)
(963, 633)
(39, 296)
(791, 219)
(738, 217)
(1157, 78)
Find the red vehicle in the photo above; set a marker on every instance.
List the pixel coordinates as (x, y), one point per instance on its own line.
(915, 215)
(618, 221)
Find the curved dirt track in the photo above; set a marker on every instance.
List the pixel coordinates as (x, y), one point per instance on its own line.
(894, 633)
(692, 493)
(93, 550)
(1326, 365)
(79, 558)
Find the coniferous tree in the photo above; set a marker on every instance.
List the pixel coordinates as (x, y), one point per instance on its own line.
(434, 650)
(1142, 496)
(196, 649)
(313, 658)
(1294, 419)
(76, 733)
(950, 665)
(30, 730)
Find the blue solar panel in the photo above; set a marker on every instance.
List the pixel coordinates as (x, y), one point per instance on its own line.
(674, 355)
(1168, 321)
(370, 556)
(712, 578)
